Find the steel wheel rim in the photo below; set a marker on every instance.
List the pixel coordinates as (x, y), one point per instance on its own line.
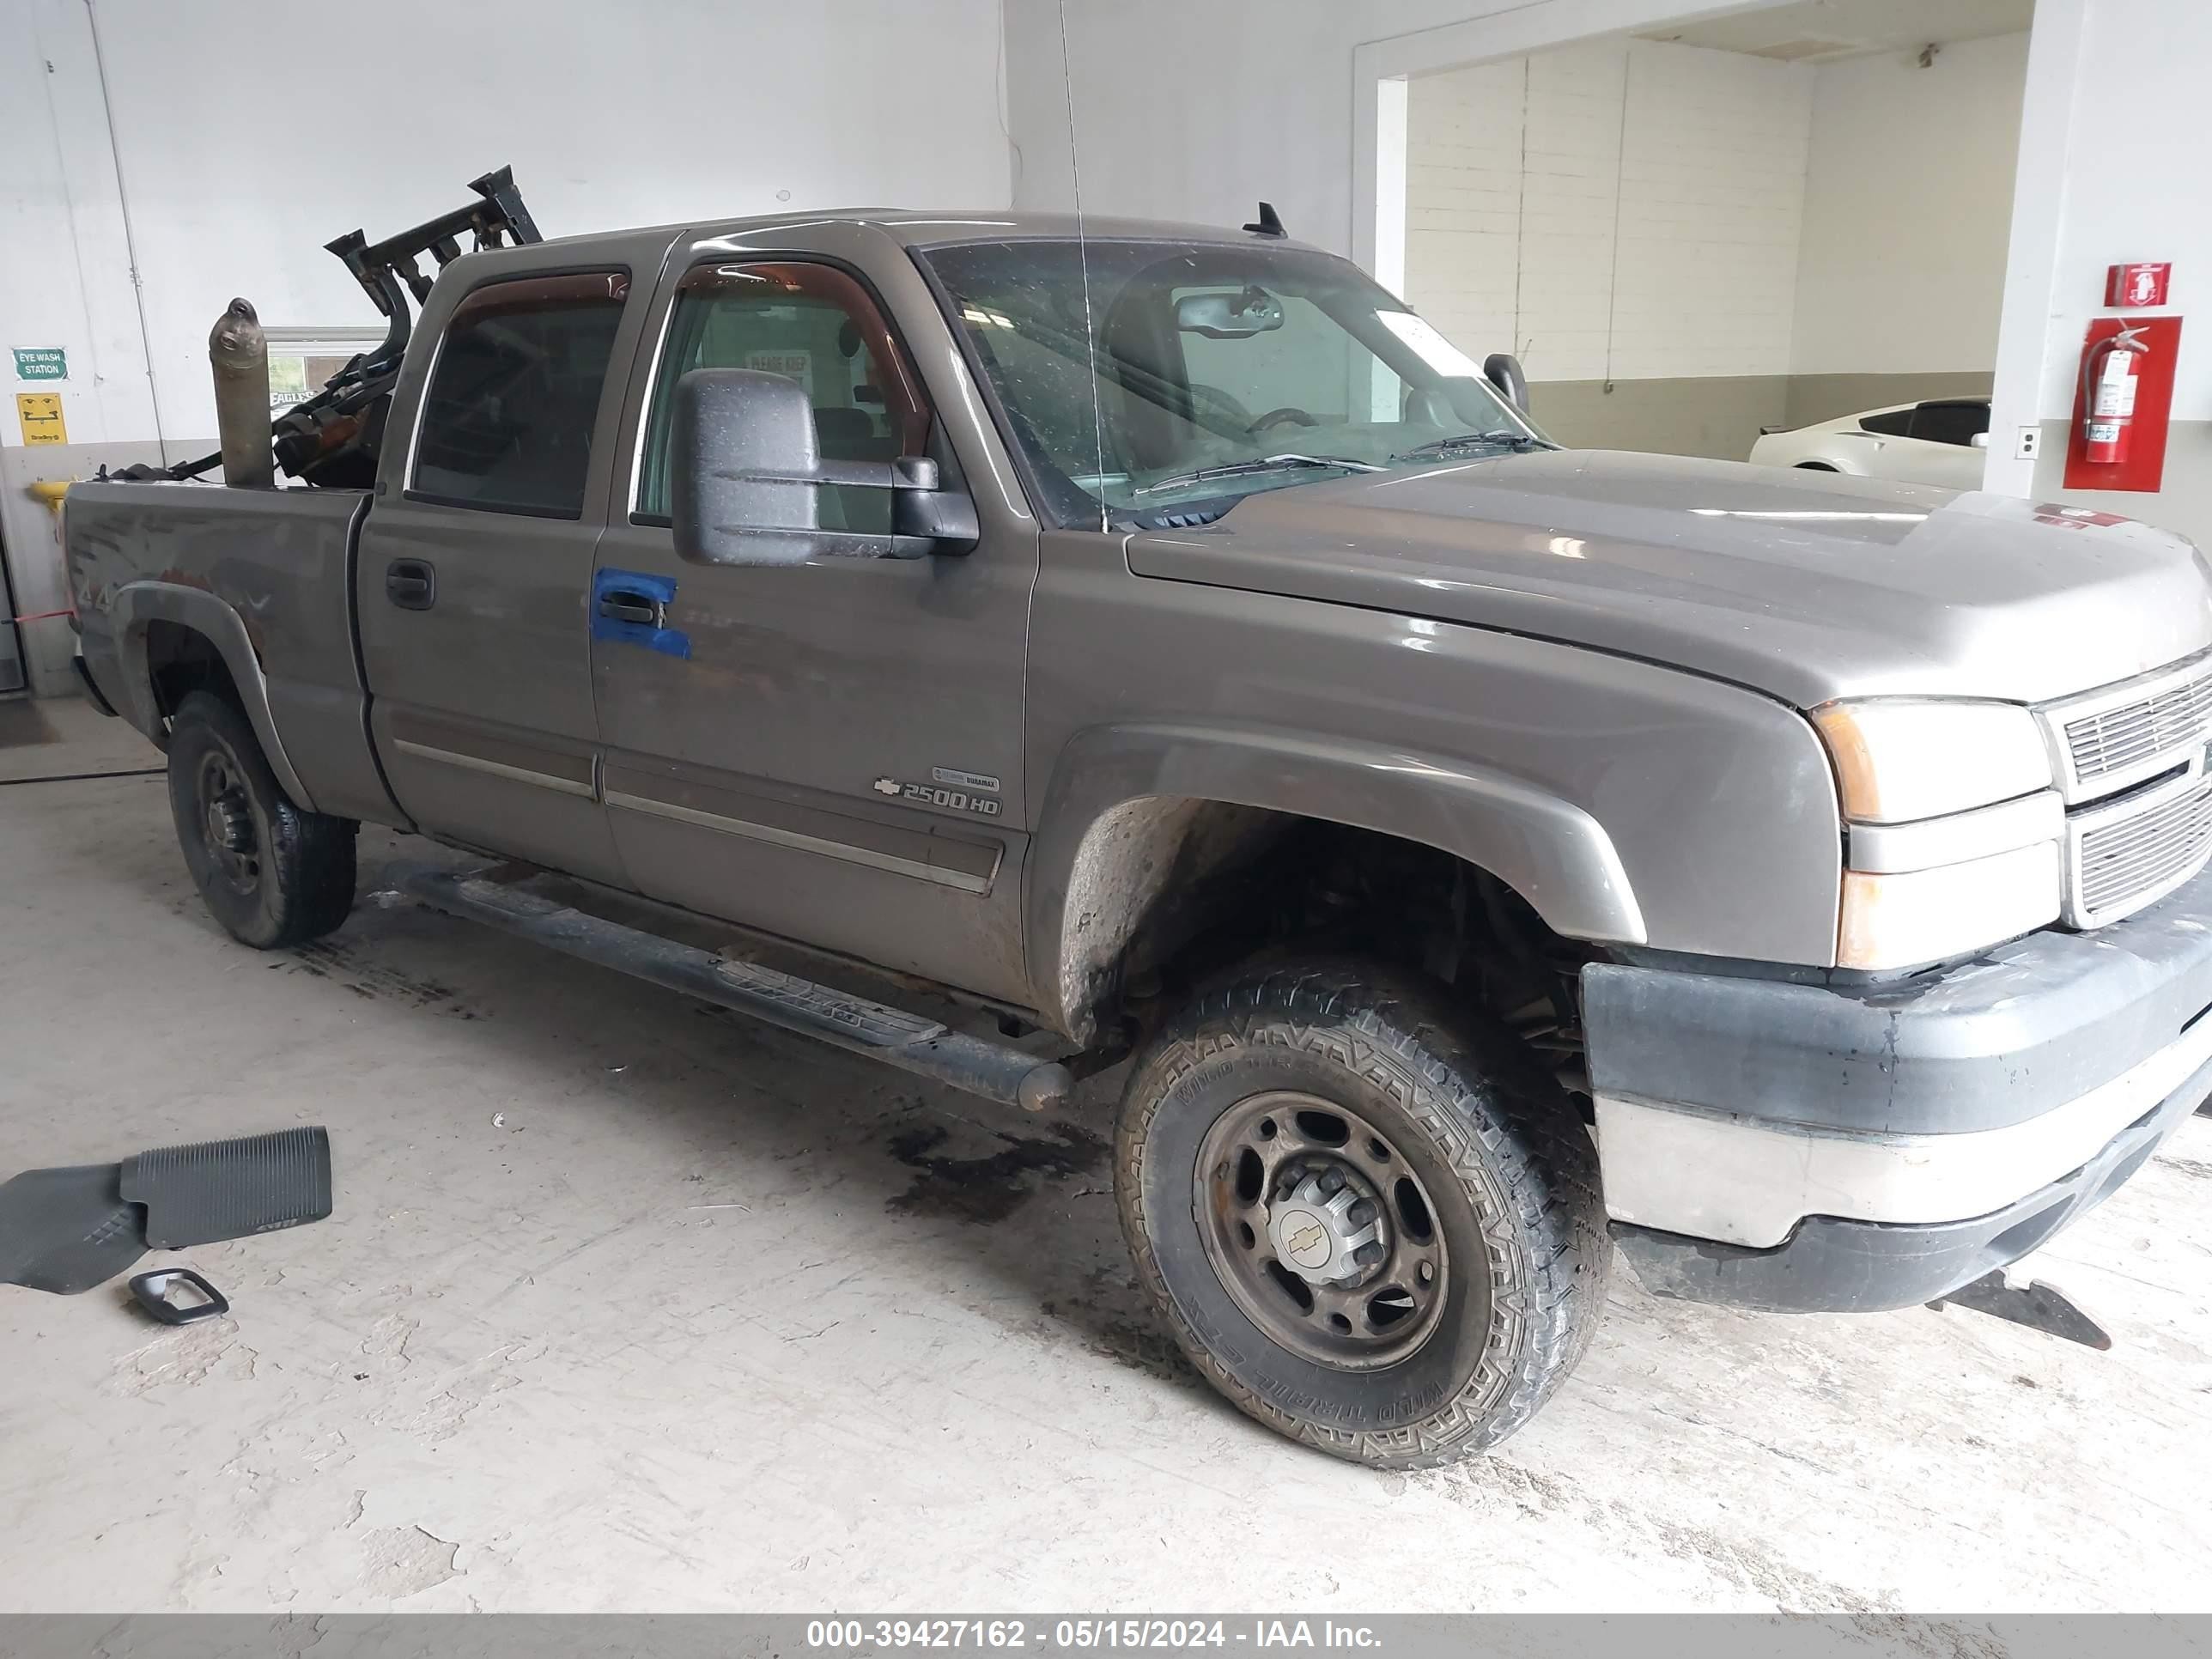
(228, 824)
(1265, 1250)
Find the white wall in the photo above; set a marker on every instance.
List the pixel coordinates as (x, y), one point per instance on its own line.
(64, 257)
(242, 146)
(1908, 209)
(2115, 150)
(1623, 210)
(1196, 109)
(245, 136)
(2117, 88)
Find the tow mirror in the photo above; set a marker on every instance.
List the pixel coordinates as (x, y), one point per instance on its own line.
(1503, 370)
(746, 477)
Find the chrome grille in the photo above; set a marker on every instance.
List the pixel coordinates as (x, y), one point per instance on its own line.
(2133, 735)
(2122, 855)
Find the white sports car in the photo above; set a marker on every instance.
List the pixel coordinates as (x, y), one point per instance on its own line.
(1942, 441)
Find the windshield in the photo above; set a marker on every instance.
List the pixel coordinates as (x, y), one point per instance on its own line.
(1223, 370)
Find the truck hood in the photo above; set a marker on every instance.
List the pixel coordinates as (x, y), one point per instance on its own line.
(1807, 585)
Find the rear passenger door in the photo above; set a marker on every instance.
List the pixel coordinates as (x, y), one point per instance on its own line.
(475, 562)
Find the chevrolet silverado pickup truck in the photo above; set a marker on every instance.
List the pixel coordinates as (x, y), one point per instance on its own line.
(1485, 856)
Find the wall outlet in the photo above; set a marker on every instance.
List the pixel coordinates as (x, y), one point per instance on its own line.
(2028, 445)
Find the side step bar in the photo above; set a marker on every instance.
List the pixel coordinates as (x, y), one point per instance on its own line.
(997, 1070)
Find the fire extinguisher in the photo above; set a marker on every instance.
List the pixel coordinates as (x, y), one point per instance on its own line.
(2110, 371)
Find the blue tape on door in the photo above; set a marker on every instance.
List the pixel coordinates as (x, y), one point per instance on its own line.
(637, 588)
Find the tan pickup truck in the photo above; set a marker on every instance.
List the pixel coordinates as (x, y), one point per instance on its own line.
(1484, 854)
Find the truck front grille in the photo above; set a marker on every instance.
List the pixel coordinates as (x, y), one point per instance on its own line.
(2123, 854)
(2135, 768)
(2176, 716)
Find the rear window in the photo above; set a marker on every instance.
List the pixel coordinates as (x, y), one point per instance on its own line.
(506, 422)
(1958, 422)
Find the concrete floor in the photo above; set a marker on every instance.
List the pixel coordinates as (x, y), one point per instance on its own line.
(629, 1303)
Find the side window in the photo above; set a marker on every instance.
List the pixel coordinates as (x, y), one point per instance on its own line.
(812, 323)
(1891, 424)
(1951, 422)
(507, 421)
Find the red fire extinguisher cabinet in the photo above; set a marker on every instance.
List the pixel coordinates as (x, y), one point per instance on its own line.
(2145, 465)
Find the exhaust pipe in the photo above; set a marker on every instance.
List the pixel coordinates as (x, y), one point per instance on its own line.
(239, 357)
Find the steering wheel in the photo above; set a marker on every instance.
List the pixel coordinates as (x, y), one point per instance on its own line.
(1211, 400)
(1288, 415)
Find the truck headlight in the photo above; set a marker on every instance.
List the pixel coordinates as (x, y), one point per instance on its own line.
(1898, 759)
(1952, 828)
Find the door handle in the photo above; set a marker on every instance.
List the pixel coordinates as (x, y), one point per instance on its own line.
(628, 605)
(411, 584)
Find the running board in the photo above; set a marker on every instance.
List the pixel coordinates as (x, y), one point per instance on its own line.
(997, 1070)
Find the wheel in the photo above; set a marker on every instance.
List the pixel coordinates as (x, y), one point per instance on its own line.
(1288, 415)
(273, 874)
(1373, 1222)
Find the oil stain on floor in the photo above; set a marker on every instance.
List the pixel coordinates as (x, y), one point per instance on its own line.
(992, 1185)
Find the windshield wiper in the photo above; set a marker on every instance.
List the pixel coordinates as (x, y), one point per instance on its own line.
(1263, 463)
(1515, 441)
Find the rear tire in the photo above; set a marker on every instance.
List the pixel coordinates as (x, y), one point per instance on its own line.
(1470, 1257)
(274, 874)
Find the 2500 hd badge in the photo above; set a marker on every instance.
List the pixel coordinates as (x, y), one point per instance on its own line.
(936, 794)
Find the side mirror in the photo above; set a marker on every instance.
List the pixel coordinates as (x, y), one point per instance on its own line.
(1503, 370)
(1979, 441)
(746, 472)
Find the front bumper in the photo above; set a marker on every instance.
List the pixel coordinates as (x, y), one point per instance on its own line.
(1798, 1146)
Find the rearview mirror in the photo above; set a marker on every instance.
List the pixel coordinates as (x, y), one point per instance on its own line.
(746, 474)
(1503, 370)
(1236, 316)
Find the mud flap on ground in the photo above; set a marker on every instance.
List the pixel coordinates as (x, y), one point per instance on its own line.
(67, 1230)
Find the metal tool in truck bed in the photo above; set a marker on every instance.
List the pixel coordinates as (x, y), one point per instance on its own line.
(331, 438)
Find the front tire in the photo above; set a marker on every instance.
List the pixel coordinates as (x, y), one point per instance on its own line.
(1370, 1221)
(274, 874)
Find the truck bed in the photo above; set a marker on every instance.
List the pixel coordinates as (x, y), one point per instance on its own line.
(267, 576)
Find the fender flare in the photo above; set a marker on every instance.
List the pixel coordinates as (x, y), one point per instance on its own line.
(1552, 852)
(136, 605)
